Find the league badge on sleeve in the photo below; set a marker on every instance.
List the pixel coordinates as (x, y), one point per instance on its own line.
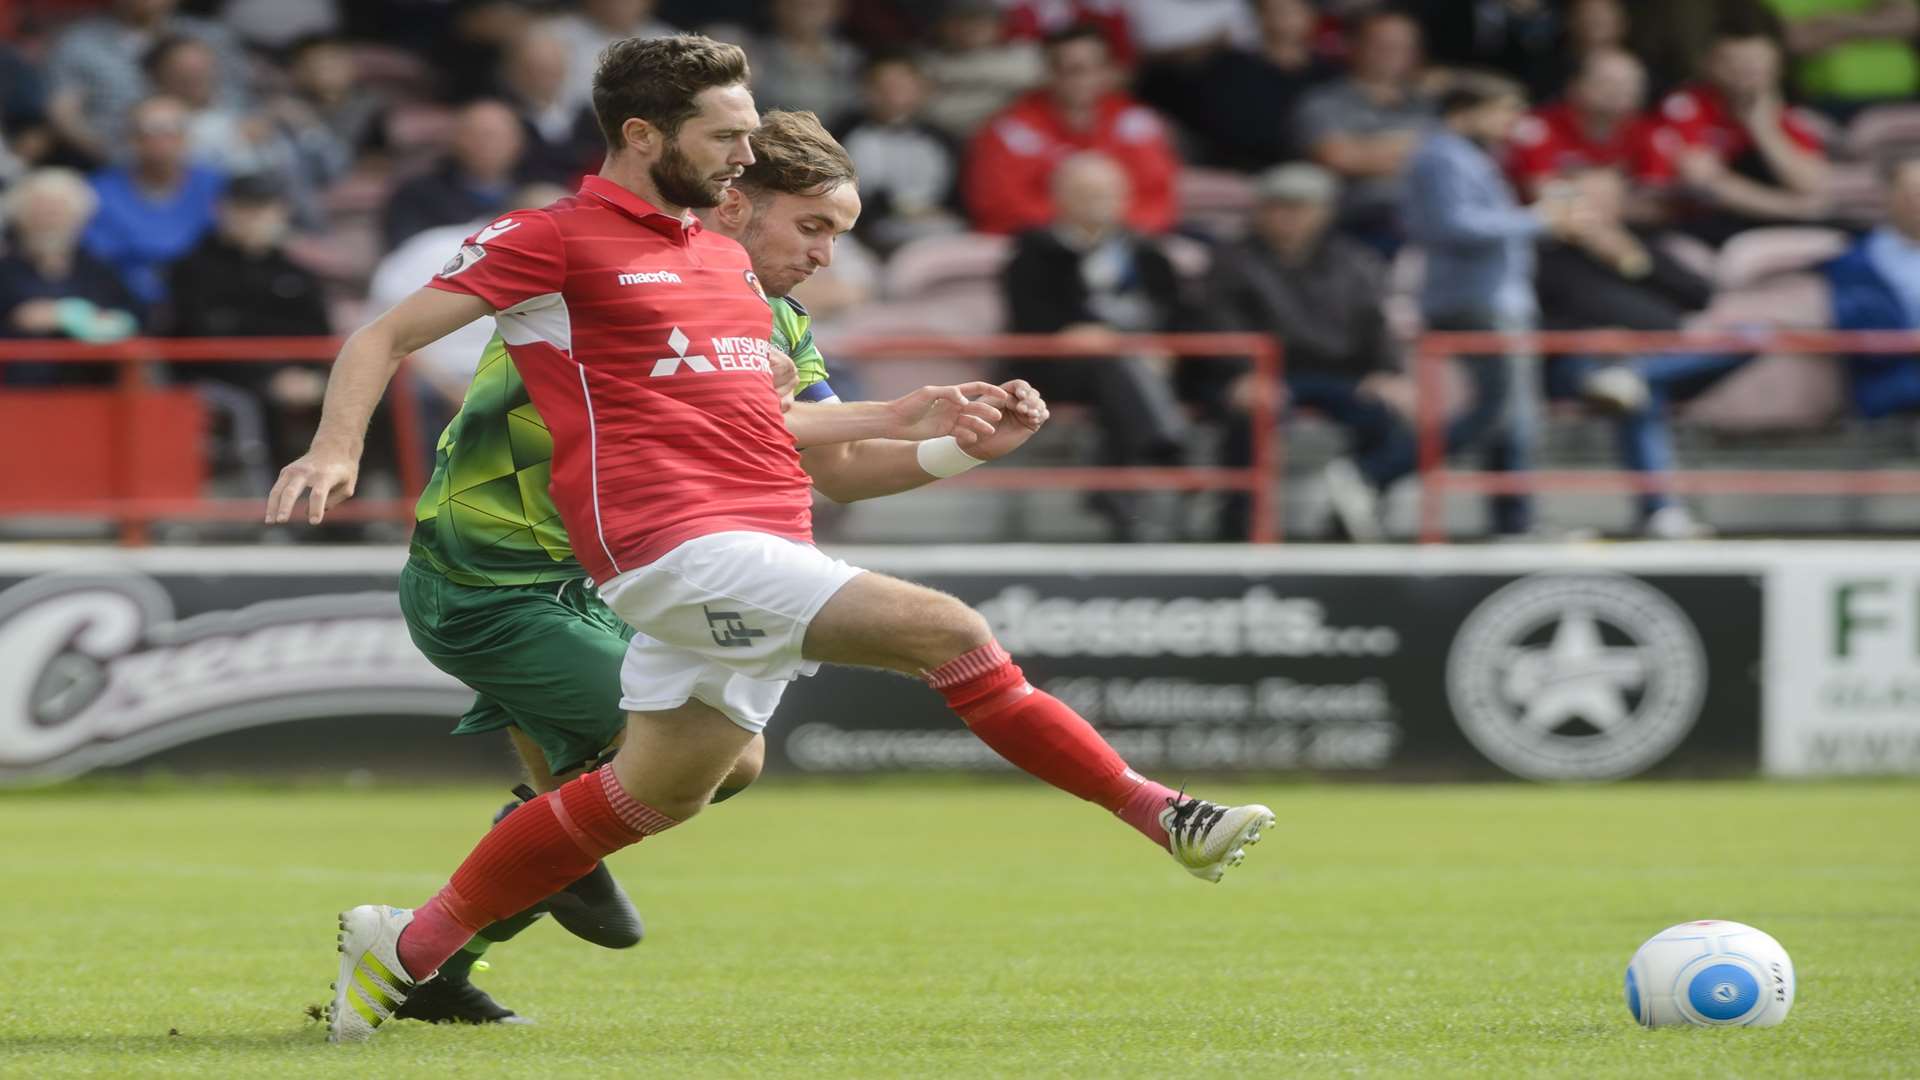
(463, 260)
(753, 282)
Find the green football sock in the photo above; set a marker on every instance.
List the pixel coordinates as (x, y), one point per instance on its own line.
(458, 966)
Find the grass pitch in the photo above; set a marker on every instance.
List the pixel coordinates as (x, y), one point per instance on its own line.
(992, 930)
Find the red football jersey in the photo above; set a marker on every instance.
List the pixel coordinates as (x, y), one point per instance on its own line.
(1700, 115)
(643, 342)
(1551, 141)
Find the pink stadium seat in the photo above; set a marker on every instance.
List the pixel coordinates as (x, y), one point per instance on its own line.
(344, 253)
(1773, 393)
(1754, 256)
(1797, 301)
(1883, 127)
(1215, 199)
(1691, 252)
(939, 262)
(395, 70)
(417, 126)
(1858, 195)
(1190, 258)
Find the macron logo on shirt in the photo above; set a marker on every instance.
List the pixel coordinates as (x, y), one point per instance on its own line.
(651, 277)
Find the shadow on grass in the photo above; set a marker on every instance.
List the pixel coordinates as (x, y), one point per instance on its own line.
(163, 1043)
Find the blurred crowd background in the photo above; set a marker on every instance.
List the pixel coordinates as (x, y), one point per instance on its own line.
(1343, 175)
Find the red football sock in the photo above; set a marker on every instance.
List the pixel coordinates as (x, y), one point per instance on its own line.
(533, 853)
(1039, 733)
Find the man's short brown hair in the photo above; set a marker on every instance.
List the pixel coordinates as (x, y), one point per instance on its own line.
(656, 79)
(794, 155)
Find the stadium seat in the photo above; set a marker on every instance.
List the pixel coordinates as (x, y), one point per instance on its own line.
(1690, 251)
(1882, 128)
(1773, 393)
(936, 263)
(1858, 196)
(345, 253)
(1756, 255)
(1796, 301)
(1215, 199)
(1191, 258)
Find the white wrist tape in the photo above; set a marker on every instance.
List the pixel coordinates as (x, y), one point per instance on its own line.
(943, 457)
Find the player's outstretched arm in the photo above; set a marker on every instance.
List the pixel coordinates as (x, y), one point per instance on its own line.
(967, 412)
(870, 468)
(331, 466)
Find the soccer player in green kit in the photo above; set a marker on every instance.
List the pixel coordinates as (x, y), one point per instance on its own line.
(493, 595)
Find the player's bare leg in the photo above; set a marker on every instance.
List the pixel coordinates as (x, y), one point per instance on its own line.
(878, 621)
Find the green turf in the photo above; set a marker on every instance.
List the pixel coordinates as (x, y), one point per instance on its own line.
(996, 930)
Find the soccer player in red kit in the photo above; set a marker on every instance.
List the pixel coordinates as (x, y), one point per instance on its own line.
(643, 343)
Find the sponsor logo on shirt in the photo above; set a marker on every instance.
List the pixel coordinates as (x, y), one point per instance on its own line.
(729, 354)
(650, 277)
(504, 225)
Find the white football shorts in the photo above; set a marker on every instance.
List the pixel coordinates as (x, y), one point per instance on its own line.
(721, 619)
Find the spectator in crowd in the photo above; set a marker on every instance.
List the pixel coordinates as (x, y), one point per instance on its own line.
(24, 136)
(239, 283)
(222, 135)
(596, 25)
(277, 24)
(1601, 122)
(1604, 274)
(325, 112)
(1852, 53)
(1480, 253)
(1520, 38)
(444, 367)
(1160, 30)
(974, 73)
(1039, 20)
(1320, 295)
(1238, 103)
(804, 63)
(474, 182)
(907, 166)
(157, 207)
(49, 286)
(1748, 157)
(1592, 26)
(1079, 108)
(563, 141)
(97, 73)
(1875, 285)
(1366, 126)
(1087, 276)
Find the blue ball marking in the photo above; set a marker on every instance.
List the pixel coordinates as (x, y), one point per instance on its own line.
(1723, 992)
(1633, 996)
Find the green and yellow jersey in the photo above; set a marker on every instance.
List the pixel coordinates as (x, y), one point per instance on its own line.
(486, 517)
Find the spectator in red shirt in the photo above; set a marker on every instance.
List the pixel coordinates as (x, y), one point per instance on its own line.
(1600, 124)
(1079, 108)
(1747, 157)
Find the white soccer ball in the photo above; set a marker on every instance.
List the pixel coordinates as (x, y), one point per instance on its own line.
(1710, 973)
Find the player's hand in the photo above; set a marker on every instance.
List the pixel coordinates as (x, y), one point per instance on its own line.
(1029, 414)
(330, 475)
(786, 377)
(968, 412)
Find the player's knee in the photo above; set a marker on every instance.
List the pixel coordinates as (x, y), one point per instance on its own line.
(745, 770)
(954, 630)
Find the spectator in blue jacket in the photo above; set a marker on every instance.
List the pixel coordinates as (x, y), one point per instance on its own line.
(158, 206)
(1876, 286)
(1480, 251)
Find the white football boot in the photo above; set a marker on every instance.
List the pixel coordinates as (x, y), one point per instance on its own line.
(1207, 838)
(372, 981)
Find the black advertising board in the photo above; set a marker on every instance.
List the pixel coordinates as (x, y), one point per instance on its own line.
(1441, 669)
(1555, 675)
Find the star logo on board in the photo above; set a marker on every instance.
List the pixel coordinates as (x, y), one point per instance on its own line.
(1576, 677)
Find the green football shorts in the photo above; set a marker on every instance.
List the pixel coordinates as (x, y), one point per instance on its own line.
(541, 658)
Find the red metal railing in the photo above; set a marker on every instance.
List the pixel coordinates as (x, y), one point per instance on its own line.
(134, 513)
(1434, 350)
